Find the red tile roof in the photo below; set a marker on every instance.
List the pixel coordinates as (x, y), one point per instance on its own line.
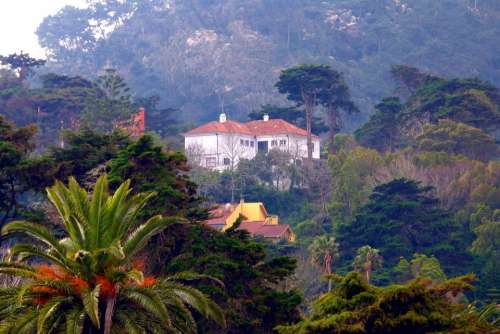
(263, 229)
(275, 127)
(251, 226)
(218, 127)
(273, 231)
(253, 128)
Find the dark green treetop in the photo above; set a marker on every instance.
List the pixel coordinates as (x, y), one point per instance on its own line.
(153, 168)
(22, 63)
(458, 138)
(354, 307)
(381, 132)
(254, 299)
(402, 218)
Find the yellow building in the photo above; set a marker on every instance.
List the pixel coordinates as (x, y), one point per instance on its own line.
(256, 220)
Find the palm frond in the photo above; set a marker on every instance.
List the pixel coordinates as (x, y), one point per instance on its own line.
(96, 211)
(28, 251)
(36, 231)
(150, 301)
(74, 321)
(25, 324)
(128, 218)
(128, 324)
(46, 313)
(17, 269)
(61, 198)
(91, 304)
(139, 238)
(194, 298)
(191, 276)
(115, 206)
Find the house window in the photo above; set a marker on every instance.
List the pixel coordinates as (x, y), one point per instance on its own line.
(283, 142)
(251, 144)
(242, 142)
(211, 162)
(247, 143)
(274, 143)
(227, 161)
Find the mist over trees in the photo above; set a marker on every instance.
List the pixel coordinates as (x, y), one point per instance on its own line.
(205, 57)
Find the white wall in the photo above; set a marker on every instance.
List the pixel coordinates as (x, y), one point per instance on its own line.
(295, 145)
(213, 150)
(220, 147)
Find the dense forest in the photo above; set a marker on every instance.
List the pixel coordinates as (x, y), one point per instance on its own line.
(397, 224)
(206, 56)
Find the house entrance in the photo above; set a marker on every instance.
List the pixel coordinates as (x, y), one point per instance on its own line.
(262, 147)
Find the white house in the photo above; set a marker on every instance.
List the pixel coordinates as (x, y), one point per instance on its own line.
(220, 145)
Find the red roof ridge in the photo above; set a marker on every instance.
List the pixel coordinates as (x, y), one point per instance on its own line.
(228, 126)
(253, 128)
(263, 229)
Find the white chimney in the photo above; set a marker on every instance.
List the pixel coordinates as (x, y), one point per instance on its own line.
(222, 118)
(266, 117)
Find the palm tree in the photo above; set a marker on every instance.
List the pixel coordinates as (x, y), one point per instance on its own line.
(367, 260)
(323, 251)
(89, 281)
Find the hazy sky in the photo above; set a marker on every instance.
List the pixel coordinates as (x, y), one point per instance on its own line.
(19, 20)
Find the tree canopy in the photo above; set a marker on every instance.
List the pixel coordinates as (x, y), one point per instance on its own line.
(353, 306)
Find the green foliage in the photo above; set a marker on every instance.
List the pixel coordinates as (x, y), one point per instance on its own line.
(19, 173)
(411, 78)
(324, 251)
(113, 105)
(470, 101)
(367, 260)
(253, 299)
(445, 104)
(312, 85)
(87, 281)
(420, 266)
(354, 174)
(457, 138)
(402, 218)
(153, 168)
(307, 85)
(86, 150)
(381, 132)
(22, 63)
(226, 53)
(353, 306)
(487, 246)
(67, 102)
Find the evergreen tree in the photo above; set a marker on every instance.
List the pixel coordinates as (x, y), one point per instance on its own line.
(354, 307)
(22, 63)
(255, 298)
(381, 132)
(153, 168)
(306, 85)
(19, 173)
(403, 218)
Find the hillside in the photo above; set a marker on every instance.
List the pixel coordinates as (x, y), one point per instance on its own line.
(206, 56)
